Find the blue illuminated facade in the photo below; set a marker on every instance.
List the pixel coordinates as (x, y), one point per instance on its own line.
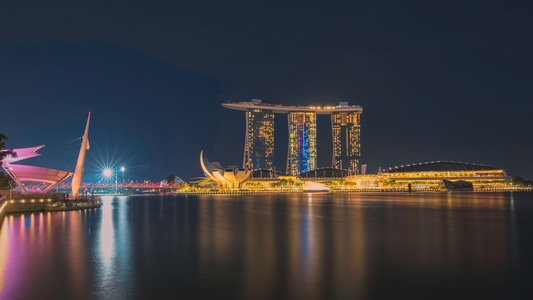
(302, 142)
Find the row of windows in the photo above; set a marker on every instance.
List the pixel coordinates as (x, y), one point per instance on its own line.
(259, 150)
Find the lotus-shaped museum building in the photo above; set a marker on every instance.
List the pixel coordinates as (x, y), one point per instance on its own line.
(229, 177)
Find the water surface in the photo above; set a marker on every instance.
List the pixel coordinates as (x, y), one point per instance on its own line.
(297, 246)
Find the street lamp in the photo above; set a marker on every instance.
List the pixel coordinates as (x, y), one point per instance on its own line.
(122, 169)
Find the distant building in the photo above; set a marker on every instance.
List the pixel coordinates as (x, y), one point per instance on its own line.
(302, 143)
(259, 141)
(227, 177)
(430, 176)
(346, 132)
(328, 172)
(264, 173)
(458, 185)
(175, 182)
(302, 152)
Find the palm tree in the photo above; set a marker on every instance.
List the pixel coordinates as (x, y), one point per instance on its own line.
(4, 153)
(5, 180)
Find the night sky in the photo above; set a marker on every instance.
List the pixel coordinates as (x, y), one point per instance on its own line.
(437, 80)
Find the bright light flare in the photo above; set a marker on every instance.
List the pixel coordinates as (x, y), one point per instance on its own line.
(107, 173)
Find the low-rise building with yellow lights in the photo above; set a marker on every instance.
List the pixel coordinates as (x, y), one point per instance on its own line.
(429, 176)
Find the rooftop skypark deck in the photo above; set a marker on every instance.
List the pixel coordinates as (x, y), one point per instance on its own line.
(278, 108)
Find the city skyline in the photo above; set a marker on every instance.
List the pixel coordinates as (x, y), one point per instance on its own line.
(440, 81)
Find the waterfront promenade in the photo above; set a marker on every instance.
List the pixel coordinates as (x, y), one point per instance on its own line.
(36, 202)
(27, 203)
(338, 190)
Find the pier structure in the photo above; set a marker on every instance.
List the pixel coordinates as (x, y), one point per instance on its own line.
(302, 144)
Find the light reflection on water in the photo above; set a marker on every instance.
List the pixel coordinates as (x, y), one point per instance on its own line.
(296, 246)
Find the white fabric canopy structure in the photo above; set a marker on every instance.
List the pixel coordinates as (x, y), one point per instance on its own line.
(22, 153)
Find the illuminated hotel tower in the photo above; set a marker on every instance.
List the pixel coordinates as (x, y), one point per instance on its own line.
(302, 142)
(302, 152)
(259, 140)
(346, 132)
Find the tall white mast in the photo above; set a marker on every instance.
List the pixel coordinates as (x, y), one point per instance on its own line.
(78, 172)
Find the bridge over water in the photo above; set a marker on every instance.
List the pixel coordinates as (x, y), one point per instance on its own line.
(108, 187)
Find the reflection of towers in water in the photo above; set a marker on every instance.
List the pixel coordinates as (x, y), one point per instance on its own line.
(259, 143)
(302, 142)
(346, 133)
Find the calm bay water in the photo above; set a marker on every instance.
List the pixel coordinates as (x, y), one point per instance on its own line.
(302, 246)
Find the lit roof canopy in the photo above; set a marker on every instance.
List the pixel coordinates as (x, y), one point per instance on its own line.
(25, 173)
(278, 108)
(438, 166)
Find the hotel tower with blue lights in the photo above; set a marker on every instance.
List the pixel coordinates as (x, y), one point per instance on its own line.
(302, 124)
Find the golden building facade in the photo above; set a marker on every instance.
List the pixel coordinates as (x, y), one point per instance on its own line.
(259, 143)
(429, 176)
(346, 134)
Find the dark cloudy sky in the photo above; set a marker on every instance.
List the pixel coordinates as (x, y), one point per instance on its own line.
(438, 80)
